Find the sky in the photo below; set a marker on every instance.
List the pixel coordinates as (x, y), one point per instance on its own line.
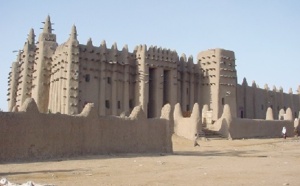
(264, 34)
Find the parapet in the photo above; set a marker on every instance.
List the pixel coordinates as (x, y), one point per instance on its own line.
(226, 112)
(187, 127)
(269, 114)
(196, 112)
(165, 112)
(177, 111)
(89, 111)
(138, 113)
(29, 106)
(288, 114)
(161, 54)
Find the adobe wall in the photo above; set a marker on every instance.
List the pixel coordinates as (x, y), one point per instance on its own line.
(236, 128)
(30, 135)
(257, 128)
(253, 101)
(187, 127)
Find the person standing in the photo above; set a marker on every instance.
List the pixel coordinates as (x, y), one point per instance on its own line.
(195, 140)
(284, 132)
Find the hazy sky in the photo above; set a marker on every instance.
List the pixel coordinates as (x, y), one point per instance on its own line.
(264, 34)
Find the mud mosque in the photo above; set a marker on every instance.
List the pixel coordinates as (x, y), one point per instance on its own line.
(78, 99)
(63, 78)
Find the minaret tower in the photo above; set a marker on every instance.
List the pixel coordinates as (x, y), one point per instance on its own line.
(219, 80)
(42, 67)
(72, 85)
(24, 70)
(13, 84)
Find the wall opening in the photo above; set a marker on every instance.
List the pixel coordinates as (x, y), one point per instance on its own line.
(131, 105)
(108, 80)
(151, 94)
(87, 78)
(181, 89)
(107, 105)
(119, 104)
(166, 87)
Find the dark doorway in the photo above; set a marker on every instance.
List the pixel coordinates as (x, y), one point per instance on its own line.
(166, 90)
(151, 91)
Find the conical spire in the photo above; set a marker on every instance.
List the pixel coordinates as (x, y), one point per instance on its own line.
(19, 56)
(245, 82)
(190, 59)
(266, 87)
(89, 42)
(254, 84)
(73, 34)
(114, 46)
(183, 57)
(47, 26)
(125, 47)
(103, 43)
(31, 36)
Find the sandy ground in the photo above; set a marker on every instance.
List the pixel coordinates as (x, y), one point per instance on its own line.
(215, 162)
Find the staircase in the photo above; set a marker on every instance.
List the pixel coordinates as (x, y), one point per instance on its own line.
(210, 134)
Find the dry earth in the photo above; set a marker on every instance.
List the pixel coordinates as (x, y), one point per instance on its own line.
(215, 162)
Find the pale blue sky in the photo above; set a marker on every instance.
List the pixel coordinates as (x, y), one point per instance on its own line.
(264, 34)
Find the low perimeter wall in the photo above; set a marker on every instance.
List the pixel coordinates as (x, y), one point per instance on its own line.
(237, 128)
(247, 128)
(30, 135)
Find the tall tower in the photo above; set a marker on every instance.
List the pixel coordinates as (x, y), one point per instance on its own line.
(72, 87)
(219, 80)
(13, 84)
(143, 70)
(25, 69)
(42, 67)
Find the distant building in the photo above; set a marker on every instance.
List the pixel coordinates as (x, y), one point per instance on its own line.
(63, 78)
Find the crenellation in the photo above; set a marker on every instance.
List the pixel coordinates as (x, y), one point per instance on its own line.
(280, 89)
(266, 87)
(254, 84)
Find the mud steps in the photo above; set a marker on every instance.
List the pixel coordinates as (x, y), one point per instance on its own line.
(210, 134)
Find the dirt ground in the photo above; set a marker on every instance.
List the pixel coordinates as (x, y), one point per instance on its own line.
(215, 162)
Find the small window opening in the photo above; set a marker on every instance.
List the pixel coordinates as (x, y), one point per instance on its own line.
(131, 103)
(107, 105)
(87, 78)
(108, 80)
(119, 104)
